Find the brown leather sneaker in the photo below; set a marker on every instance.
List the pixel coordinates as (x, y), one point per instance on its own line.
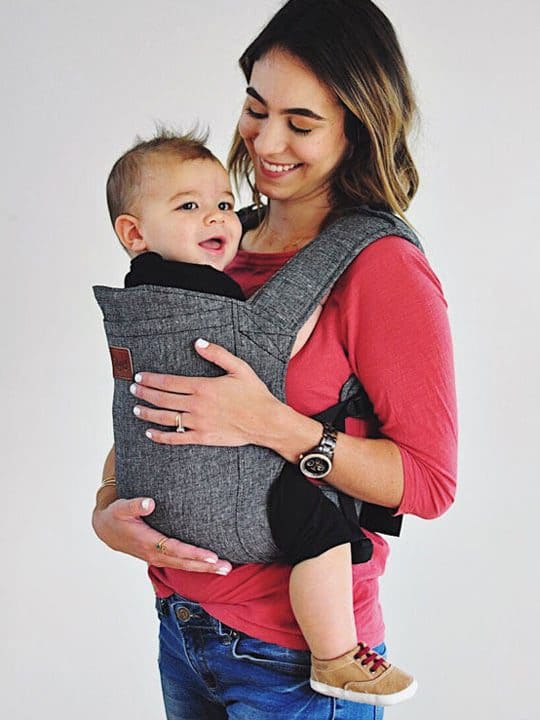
(362, 676)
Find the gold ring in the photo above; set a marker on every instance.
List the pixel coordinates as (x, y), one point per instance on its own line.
(160, 546)
(179, 426)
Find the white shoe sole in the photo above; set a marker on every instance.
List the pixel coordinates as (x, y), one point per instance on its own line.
(365, 698)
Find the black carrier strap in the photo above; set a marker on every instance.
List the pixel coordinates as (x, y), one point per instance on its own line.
(370, 517)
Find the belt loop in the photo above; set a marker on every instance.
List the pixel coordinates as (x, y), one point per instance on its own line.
(164, 606)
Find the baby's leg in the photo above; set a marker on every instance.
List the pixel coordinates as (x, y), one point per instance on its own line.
(315, 538)
(322, 600)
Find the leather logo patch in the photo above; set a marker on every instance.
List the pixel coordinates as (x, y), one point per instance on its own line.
(122, 363)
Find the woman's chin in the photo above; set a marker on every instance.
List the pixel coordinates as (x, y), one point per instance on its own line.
(274, 190)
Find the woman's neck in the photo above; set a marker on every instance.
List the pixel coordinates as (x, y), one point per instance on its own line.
(287, 227)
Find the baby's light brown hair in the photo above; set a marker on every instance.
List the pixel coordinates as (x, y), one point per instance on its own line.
(124, 185)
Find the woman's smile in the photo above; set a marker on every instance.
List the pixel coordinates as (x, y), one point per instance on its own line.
(276, 170)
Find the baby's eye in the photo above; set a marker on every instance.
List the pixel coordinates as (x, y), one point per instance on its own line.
(188, 206)
(225, 205)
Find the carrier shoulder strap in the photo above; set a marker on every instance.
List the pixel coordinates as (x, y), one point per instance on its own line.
(294, 291)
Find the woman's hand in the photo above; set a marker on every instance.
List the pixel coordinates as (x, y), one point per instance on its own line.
(119, 524)
(230, 410)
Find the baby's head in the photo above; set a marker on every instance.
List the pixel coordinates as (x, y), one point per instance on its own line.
(172, 196)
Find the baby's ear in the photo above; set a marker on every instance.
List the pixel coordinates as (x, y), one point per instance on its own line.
(127, 228)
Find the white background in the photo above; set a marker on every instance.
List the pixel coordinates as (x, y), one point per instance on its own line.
(80, 80)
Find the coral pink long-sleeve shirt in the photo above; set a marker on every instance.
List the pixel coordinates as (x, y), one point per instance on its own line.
(385, 321)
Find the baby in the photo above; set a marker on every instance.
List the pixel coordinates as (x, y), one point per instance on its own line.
(172, 208)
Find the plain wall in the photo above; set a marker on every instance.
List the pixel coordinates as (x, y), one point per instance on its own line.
(79, 81)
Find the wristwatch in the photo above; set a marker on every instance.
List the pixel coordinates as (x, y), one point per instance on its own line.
(317, 463)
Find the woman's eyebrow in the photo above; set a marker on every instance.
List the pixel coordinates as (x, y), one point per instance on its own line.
(288, 111)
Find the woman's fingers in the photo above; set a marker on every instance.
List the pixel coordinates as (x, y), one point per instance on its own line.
(184, 385)
(162, 399)
(228, 410)
(179, 384)
(174, 419)
(129, 509)
(190, 437)
(179, 555)
(121, 526)
(220, 356)
(190, 565)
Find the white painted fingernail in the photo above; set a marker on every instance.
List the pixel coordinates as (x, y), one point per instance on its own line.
(145, 504)
(138, 377)
(148, 434)
(222, 571)
(211, 560)
(202, 343)
(136, 410)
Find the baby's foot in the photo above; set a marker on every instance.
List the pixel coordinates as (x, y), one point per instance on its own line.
(362, 676)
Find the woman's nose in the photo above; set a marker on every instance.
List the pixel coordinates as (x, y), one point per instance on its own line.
(270, 140)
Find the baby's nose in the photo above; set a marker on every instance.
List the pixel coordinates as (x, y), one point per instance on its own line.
(215, 216)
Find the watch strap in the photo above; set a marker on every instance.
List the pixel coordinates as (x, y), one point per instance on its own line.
(327, 444)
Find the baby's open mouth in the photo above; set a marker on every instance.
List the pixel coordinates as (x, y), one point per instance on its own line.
(214, 244)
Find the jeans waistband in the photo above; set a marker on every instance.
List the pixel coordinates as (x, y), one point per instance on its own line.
(190, 614)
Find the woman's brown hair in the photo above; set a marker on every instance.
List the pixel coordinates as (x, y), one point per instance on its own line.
(351, 46)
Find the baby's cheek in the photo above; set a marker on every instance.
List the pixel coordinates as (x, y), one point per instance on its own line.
(237, 229)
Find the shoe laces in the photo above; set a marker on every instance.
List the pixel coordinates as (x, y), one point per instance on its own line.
(368, 657)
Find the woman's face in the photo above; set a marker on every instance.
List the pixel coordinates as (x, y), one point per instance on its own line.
(293, 129)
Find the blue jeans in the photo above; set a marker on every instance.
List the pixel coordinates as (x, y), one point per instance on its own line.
(211, 672)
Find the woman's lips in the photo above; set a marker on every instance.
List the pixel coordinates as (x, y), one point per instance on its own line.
(277, 170)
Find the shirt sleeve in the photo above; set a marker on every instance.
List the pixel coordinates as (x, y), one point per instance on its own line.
(397, 334)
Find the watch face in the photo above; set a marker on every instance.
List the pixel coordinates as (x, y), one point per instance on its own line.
(315, 465)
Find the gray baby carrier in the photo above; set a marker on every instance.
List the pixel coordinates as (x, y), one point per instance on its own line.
(216, 497)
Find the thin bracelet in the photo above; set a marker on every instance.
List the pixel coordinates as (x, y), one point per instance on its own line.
(107, 483)
(109, 480)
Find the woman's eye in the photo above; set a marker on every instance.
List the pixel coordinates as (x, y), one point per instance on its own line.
(253, 114)
(188, 206)
(300, 131)
(225, 205)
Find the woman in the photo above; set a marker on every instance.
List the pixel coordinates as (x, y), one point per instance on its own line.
(323, 129)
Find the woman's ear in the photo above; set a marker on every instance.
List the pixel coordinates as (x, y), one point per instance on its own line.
(127, 227)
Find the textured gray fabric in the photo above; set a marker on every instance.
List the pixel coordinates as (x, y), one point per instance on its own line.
(217, 497)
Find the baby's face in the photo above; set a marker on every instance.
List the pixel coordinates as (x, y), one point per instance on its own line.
(186, 212)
